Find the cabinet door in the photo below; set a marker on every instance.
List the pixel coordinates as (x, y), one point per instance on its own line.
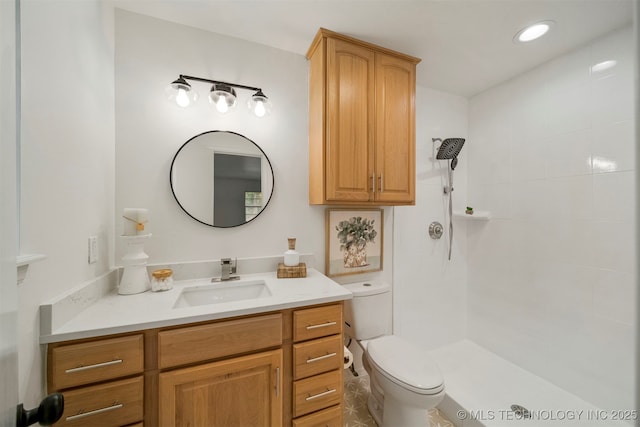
(244, 391)
(349, 118)
(395, 129)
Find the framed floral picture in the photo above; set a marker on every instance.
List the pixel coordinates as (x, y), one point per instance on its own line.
(354, 241)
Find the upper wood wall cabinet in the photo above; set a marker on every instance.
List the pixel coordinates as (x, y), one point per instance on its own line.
(361, 123)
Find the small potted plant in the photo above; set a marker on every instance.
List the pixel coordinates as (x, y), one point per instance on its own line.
(354, 234)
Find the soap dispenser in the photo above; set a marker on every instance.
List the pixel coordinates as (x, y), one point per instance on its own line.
(291, 257)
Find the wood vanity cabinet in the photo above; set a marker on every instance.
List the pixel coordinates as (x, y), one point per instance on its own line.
(318, 366)
(361, 123)
(259, 370)
(101, 380)
(242, 391)
(237, 391)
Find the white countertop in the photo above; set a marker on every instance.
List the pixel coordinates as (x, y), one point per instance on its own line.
(113, 313)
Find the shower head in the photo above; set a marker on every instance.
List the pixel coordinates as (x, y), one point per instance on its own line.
(450, 148)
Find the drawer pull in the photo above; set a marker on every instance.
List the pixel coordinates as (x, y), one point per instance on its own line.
(94, 412)
(324, 393)
(97, 365)
(326, 356)
(321, 325)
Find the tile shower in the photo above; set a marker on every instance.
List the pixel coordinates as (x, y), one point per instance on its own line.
(548, 282)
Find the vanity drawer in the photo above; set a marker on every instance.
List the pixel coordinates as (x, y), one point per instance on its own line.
(317, 322)
(205, 342)
(318, 392)
(116, 403)
(317, 356)
(89, 362)
(330, 417)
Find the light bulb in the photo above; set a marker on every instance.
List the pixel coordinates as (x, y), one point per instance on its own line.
(223, 97)
(182, 99)
(181, 93)
(259, 104)
(260, 111)
(221, 105)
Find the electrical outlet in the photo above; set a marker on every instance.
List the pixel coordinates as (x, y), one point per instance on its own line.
(93, 249)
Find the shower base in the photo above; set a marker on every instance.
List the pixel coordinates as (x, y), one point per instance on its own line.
(481, 388)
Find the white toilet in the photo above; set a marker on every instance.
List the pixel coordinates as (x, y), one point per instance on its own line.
(405, 381)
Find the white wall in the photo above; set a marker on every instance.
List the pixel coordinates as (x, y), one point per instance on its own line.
(151, 53)
(8, 290)
(67, 158)
(551, 277)
(429, 291)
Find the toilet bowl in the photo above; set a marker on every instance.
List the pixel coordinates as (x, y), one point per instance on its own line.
(405, 381)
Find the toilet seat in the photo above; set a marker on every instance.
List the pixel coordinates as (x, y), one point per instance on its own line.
(404, 364)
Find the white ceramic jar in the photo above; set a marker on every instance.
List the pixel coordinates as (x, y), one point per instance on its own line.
(291, 257)
(162, 280)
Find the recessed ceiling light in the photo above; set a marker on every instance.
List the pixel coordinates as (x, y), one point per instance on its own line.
(533, 32)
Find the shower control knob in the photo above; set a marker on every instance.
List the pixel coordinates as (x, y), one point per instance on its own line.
(435, 230)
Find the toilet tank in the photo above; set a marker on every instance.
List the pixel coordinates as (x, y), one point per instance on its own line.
(368, 314)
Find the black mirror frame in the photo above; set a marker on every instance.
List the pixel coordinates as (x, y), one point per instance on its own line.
(234, 133)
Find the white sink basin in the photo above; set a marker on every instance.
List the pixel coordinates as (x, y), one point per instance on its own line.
(219, 293)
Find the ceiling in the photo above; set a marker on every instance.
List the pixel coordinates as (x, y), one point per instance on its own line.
(466, 45)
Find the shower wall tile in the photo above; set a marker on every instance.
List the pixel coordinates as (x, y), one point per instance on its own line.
(611, 100)
(427, 288)
(531, 200)
(614, 196)
(568, 71)
(614, 246)
(493, 153)
(570, 242)
(611, 296)
(536, 151)
(618, 47)
(569, 154)
(569, 110)
(611, 151)
(571, 198)
(551, 277)
(495, 198)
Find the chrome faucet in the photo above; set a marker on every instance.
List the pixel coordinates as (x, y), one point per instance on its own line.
(228, 267)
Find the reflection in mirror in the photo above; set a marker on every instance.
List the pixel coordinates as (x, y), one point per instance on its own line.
(221, 179)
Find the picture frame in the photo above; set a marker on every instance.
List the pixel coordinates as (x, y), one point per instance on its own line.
(354, 241)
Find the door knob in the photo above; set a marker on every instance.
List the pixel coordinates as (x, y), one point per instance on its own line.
(49, 411)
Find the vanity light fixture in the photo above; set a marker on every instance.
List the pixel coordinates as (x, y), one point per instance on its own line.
(533, 32)
(180, 92)
(222, 95)
(259, 104)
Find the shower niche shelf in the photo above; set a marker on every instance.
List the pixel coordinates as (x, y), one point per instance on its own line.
(476, 216)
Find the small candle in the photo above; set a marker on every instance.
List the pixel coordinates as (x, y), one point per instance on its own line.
(134, 220)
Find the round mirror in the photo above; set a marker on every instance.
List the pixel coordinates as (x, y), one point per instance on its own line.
(221, 179)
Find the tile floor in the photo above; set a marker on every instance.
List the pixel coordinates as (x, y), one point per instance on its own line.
(356, 393)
